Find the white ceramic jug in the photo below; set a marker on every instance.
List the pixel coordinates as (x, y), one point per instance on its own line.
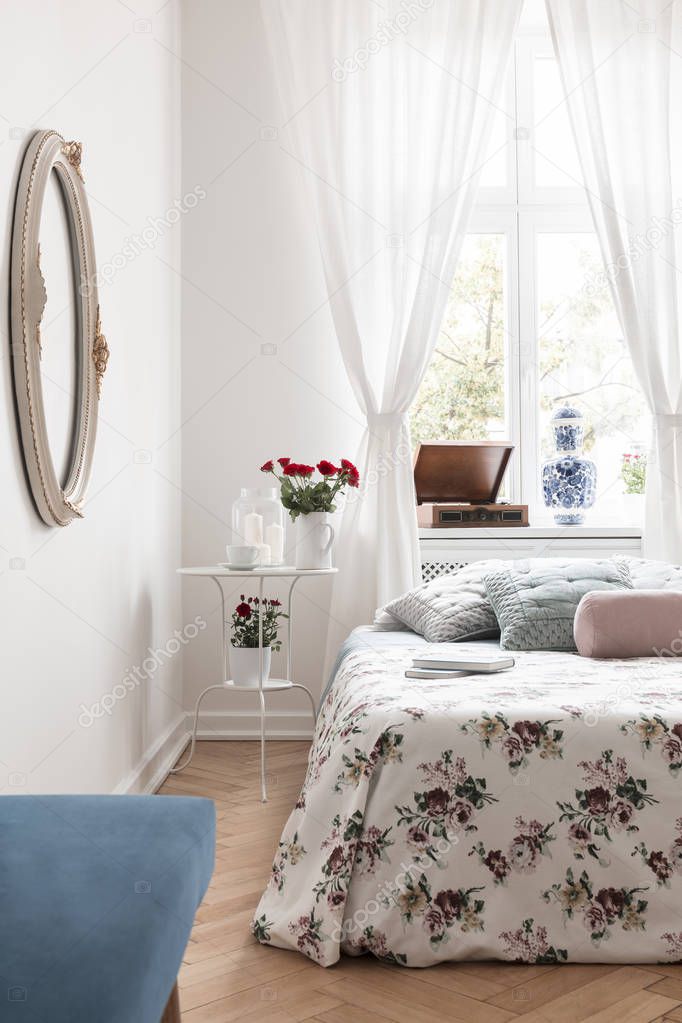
(314, 539)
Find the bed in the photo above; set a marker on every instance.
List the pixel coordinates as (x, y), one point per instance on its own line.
(533, 815)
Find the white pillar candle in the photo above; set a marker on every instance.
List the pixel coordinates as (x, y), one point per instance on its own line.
(264, 554)
(274, 535)
(253, 528)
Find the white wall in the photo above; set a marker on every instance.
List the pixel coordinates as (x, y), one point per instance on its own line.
(81, 605)
(252, 278)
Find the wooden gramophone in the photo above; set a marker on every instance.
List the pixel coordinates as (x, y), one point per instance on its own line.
(457, 484)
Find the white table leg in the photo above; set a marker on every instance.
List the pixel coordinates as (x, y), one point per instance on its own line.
(188, 761)
(290, 628)
(223, 658)
(223, 634)
(263, 791)
(297, 685)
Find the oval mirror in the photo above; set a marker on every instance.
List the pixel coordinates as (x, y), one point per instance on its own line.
(59, 351)
(58, 329)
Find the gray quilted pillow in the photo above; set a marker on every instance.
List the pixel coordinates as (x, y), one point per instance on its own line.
(535, 601)
(652, 575)
(450, 607)
(384, 621)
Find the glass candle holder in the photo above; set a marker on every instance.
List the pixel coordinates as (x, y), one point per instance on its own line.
(258, 520)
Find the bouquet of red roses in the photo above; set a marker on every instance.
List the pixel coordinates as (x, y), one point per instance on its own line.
(301, 494)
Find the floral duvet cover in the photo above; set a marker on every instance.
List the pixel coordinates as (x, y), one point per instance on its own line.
(532, 815)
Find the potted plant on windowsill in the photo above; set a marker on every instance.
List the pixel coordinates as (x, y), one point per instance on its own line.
(633, 474)
(244, 648)
(310, 501)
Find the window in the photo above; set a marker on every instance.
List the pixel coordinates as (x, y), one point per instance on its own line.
(525, 327)
(464, 392)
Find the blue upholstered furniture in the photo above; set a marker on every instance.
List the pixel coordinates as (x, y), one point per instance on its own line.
(97, 899)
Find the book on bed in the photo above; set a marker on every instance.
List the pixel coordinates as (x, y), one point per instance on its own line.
(439, 666)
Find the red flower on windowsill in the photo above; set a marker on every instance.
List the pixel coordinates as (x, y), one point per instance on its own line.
(243, 610)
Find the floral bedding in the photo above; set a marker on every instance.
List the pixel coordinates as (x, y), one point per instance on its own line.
(533, 815)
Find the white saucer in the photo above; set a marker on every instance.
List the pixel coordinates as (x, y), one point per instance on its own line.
(237, 568)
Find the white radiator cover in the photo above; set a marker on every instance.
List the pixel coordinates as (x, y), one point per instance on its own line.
(444, 550)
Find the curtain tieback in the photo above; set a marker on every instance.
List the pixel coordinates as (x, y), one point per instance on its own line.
(378, 420)
(672, 420)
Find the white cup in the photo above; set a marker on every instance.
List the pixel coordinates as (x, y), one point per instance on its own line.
(242, 555)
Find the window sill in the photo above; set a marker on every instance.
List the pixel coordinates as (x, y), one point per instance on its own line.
(548, 532)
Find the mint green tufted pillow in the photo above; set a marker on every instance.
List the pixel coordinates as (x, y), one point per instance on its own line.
(535, 602)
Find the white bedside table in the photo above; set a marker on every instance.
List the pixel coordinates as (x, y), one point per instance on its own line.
(270, 685)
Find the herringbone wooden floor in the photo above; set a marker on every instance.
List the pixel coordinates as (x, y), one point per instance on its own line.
(228, 976)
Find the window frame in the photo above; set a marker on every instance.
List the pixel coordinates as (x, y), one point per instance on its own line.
(521, 210)
(533, 222)
(504, 222)
(527, 49)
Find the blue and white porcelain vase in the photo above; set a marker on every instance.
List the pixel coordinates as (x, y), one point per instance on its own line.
(569, 481)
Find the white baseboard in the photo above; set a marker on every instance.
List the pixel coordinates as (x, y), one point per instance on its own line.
(150, 771)
(153, 768)
(244, 724)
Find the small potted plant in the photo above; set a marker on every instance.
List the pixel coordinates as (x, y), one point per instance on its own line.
(633, 474)
(244, 650)
(311, 500)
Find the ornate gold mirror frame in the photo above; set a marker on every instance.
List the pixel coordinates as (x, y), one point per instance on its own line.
(49, 153)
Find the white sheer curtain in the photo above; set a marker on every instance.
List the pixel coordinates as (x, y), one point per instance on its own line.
(389, 108)
(622, 74)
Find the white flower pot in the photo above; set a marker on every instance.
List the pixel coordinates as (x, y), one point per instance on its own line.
(244, 665)
(314, 540)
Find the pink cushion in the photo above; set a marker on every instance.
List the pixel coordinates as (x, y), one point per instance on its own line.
(629, 623)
